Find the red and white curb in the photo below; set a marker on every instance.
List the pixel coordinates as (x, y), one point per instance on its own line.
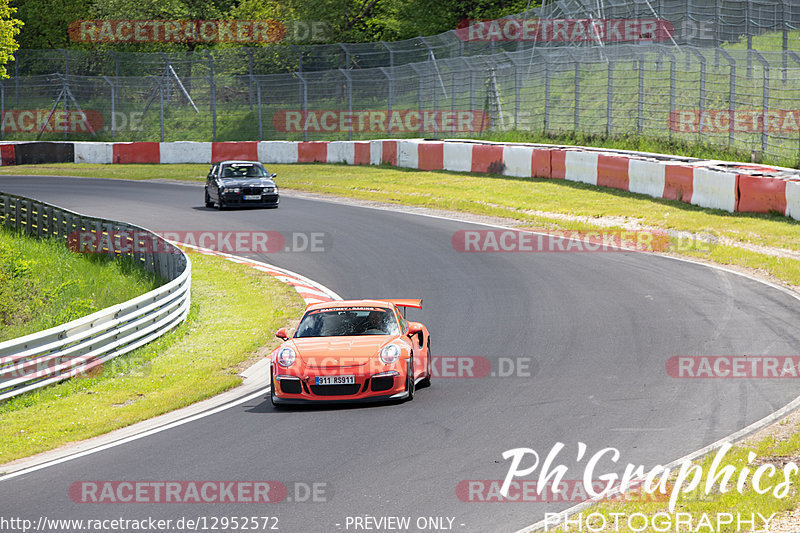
(309, 290)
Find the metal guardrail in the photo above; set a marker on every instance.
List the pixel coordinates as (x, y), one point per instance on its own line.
(74, 348)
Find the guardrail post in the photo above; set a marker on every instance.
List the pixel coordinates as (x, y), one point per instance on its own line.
(702, 96)
(640, 99)
(260, 121)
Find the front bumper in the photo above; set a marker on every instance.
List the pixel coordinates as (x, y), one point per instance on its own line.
(237, 200)
(368, 387)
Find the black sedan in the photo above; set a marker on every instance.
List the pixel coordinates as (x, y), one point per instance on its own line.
(240, 184)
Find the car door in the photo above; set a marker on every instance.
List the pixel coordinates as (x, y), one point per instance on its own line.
(211, 183)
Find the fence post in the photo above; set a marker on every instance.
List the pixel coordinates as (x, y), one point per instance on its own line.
(546, 94)
(161, 107)
(2, 109)
(304, 98)
(113, 105)
(517, 84)
(299, 57)
(260, 121)
(213, 96)
(251, 79)
(765, 101)
(610, 99)
(391, 53)
(349, 102)
(731, 94)
(640, 99)
(748, 33)
(420, 90)
(389, 95)
(702, 96)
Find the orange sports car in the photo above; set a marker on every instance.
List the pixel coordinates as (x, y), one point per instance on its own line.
(351, 351)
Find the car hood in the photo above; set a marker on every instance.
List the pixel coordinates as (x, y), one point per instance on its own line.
(340, 351)
(247, 182)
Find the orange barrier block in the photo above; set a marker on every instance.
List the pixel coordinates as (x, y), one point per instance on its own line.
(244, 150)
(487, 158)
(612, 171)
(678, 183)
(312, 152)
(431, 156)
(759, 194)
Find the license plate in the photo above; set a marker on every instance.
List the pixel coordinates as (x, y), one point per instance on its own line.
(252, 197)
(334, 380)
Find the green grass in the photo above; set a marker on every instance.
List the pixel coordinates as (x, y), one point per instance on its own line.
(233, 306)
(43, 284)
(504, 196)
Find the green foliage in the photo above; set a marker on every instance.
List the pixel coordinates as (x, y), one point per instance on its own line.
(43, 284)
(9, 29)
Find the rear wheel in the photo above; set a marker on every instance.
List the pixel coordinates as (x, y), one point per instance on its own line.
(410, 387)
(426, 381)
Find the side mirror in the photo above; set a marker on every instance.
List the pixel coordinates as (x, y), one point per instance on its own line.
(414, 328)
(281, 334)
(273, 176)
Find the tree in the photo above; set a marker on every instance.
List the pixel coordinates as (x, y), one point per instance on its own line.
(9, 29)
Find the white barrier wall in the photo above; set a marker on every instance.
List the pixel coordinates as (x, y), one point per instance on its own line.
(713, 189)
(408, 154)
(646, 177)
(278, 152)
(94, 152)
(457, 157)
(581, 166)
(517, 160)
(184, 152)
(341, 152)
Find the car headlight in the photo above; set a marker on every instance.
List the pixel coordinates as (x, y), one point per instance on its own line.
(230, 189)
(286, 357)
(389, 354)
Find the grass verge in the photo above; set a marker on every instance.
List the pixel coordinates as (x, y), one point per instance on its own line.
(182, 367)
(43, 284)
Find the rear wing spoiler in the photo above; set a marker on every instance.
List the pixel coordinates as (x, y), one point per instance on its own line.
(399, 302)
(405, 303)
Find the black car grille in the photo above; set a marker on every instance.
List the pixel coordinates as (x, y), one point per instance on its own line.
(335, 390)
(251, 190)
(382, 384)
(290, 386)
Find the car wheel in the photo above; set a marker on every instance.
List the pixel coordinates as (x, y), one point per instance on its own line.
(410, 387)
(272, 391)
(209, 203)
(426, 381)
(220, 205)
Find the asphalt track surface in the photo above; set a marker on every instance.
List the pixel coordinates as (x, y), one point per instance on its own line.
(597, 329)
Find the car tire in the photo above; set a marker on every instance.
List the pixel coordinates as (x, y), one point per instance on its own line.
(426, 381)
(209, 203)
(410, 386)
(272, 391)
(220, 205)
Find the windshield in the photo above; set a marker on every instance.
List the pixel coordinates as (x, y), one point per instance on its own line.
(243, 170)
(345, 322)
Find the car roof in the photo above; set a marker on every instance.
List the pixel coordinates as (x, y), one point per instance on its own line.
(350, 303)
(238, 161)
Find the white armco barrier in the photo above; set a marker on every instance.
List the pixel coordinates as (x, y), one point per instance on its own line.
(581, 166)
(341, 152)
(185, 152)
(94, 152)
(793, 199)
(646, 177)
(408, 154)
(714, 189)
(457, 157)
(278, 152)
(517, 161)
